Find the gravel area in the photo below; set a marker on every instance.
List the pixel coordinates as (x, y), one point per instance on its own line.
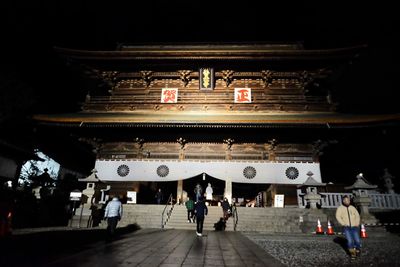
(315, 250)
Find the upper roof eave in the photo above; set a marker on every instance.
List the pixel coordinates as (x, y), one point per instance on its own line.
(256, 53)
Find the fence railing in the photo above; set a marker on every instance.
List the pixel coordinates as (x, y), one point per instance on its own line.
(385, 201)
(166, 214)
(235, 217)
(334, 200)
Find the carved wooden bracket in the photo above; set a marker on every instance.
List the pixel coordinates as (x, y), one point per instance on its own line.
(182, 142)
(319, 146)
(185, 76)
(306, 80)
(110, 77)
(229, 142)
(227, 76)
(139, 141)
(146, 77)
(96, 143)
(102, 78)
(273, 143)
(87, 97)
(266, 76)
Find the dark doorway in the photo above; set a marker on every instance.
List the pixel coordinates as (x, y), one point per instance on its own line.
(247, 192)
(148, 191)
(167, 188)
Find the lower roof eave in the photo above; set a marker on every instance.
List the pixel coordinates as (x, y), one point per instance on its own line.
(244, 120)
(214, 125)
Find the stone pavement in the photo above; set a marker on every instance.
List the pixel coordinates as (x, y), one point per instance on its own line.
(154, 247)
(174, 248)
(298, 250)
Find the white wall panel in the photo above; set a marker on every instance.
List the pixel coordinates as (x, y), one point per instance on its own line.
(236, 171)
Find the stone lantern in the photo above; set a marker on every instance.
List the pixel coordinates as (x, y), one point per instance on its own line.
(91, 181)
(361, 198)
(312, 196)
(388, 183)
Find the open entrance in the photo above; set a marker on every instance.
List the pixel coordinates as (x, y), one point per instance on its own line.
(148, 190)
(249, 194)
(217, 185)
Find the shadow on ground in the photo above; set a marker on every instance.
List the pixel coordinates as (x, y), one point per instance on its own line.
(40, 248)
(389, 218)
(342, 242)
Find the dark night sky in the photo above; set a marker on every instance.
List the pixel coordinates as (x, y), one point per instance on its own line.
(34, 80)
(33, 28)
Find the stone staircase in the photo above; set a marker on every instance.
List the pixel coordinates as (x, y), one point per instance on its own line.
(81, 218)
(146, 216)
(178, 219)
(267, 220)
(270, 220)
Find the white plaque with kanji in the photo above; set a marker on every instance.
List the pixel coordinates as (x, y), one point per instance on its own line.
(169, 95)
(242, 95)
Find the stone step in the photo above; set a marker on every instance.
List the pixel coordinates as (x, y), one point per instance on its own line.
(269, 220)
(208, 225)
(249, 219)
(178, 219)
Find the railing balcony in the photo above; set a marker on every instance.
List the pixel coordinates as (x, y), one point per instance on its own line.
(334, 200)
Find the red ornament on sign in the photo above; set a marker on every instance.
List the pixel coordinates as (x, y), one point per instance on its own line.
(242, 95)
(169, 95)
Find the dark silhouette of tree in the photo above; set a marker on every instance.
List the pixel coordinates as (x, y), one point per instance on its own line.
(31, 174)
(43, 179)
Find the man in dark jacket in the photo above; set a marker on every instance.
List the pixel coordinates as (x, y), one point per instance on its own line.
(159, 196)
(225, 208)
(200, 209)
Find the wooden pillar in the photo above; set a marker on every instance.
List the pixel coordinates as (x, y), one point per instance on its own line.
(228, 156)
(228, 189)
(179, 189)
(179, 192)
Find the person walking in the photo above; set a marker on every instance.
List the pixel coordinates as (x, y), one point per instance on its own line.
(200, 209)
(159, 196)
(225, 208)
(348, 216)
(198, 190)
(190, 210)
(113, 213)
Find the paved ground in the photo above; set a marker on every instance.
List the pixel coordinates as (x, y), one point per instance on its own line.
(66, 247)
(39, 246)
(315, 250)
(175, 248)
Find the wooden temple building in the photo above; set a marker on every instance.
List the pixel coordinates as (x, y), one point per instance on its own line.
(244, 118)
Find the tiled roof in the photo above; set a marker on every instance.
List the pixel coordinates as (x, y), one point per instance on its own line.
(203, 119)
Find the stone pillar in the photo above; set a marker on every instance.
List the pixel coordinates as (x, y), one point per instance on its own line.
(388, 183)
(179, 192)
(36, 191)
(89, 192)
(312, 197)
(228, 189)
(104, 194)
(363, 200)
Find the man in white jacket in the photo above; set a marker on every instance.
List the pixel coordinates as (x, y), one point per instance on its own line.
(348, 216)
(113, 214)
